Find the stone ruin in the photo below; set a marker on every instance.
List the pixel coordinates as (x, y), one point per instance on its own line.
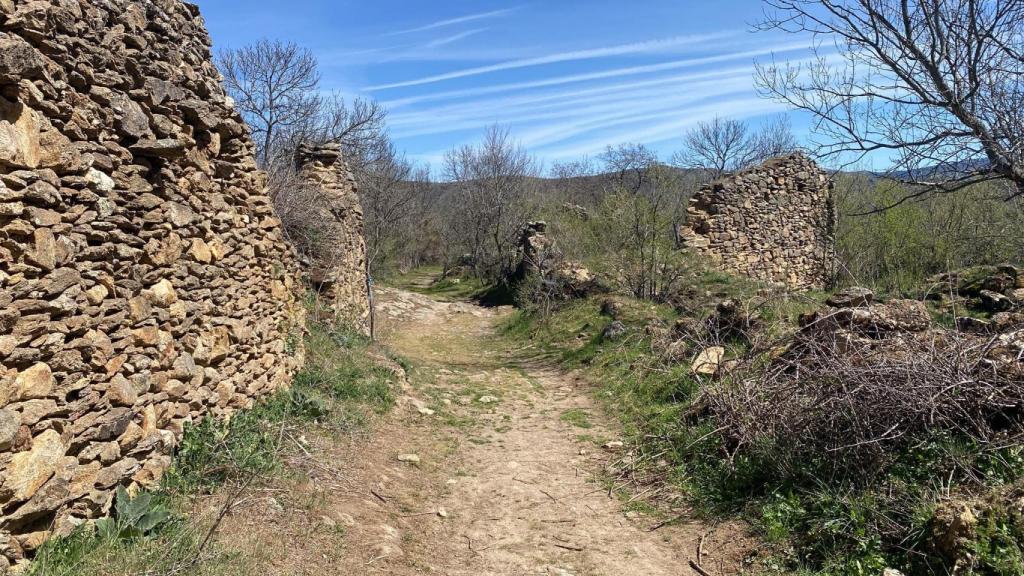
(338, 267)
(543, 272)
(145, 280)
(774, 223)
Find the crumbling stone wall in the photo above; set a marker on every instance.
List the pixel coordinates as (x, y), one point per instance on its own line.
(774, 223)
(144, 281)
(337, 266)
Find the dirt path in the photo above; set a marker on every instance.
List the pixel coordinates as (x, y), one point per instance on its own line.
(505, 479)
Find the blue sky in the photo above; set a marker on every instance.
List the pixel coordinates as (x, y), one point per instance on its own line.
(568, 77)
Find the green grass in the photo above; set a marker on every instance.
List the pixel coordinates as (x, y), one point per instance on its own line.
(429, 281)
(815, 522)
(173, 550)
(339, 389)
(577, 417)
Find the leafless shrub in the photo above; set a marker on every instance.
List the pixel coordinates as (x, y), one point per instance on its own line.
(298, 205)
(852, 402)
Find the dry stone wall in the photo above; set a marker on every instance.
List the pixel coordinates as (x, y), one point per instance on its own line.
(144, 280)
(337, 266)
(774, 223)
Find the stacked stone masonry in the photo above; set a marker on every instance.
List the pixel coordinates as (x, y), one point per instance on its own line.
(145, 282)
(337, 268)
(774, 223)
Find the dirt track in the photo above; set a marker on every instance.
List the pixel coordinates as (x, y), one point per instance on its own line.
(509, 455)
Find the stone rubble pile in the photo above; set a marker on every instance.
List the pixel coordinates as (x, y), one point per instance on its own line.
(145, 281)
(774, 223)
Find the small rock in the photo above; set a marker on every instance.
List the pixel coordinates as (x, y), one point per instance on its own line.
(708, 361)
(96, 294)
(994, 301)
(9, 424)
(974, 325)
(487, 399)
(99, 180)
(409, 458)
(614, 331)
(611, 308)
(120, 392)
(162, 293)
(425, 411)
(852, 297)
(613, 445)
(442, 512)
(30, 470)
(273, 506)
(34, 382)
(163, 148)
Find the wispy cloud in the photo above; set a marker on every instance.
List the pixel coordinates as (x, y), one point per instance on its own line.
(601, 75)
(550, 124)
(663, 128)
(453, 38)
(590, 54)
(454, 21)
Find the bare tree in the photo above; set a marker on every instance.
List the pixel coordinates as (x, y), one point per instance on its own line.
(630, 165)
(274, 87)
(935, 85)
(725, 145)
(718, 146)
(775, 138)
(392, 191)
(358, 126)
(571, 181)
(488, 201)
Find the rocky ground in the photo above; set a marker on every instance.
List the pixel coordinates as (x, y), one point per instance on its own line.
(490, 464)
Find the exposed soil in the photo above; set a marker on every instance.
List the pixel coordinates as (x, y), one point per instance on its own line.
(508, 479)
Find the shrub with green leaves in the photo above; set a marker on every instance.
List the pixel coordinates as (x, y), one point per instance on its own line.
(137, 517)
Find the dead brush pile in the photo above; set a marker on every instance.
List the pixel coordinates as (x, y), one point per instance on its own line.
(851, 402)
